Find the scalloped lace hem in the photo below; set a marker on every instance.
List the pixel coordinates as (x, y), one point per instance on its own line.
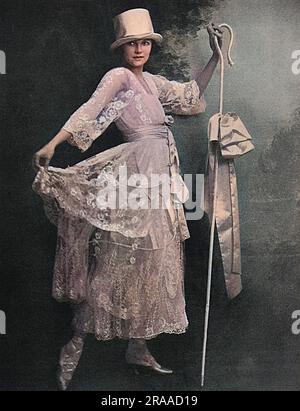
(115, 335)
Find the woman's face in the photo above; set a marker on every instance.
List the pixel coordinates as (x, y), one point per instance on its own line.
(136, 53)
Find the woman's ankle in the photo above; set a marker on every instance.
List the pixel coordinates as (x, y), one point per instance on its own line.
(137, 342)
(138, 352)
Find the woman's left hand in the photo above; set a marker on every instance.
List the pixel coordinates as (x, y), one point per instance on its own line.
(214, 31)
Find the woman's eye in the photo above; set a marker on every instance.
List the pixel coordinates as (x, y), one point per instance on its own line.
(147, 42)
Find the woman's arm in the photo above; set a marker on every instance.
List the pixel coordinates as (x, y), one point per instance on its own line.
(204, 76)
(82, 127)
(60, 137)
(45, 154)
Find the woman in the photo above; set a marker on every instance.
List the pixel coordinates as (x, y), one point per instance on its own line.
(120, 265)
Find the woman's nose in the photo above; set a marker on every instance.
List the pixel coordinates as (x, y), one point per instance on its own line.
(138, 48)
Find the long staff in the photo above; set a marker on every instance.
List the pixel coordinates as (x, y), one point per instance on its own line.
(213, 222)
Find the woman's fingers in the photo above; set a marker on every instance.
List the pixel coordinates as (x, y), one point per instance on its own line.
(218, 28)
(215, 30)
(40, 161)
(219, 31)
(43, 157)
(218, 35)
(215, 35)
(44, 162)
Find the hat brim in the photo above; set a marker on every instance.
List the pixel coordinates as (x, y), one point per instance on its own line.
(153, 36)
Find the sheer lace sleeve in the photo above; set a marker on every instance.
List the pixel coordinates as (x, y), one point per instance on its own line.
(179, 98)
(105, 105)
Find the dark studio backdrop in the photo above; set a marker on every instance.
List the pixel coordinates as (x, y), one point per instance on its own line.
(56, 53)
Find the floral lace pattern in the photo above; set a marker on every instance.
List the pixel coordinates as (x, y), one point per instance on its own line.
(139, 105)
(139, 294)
(122, 268)
(179, 98)
(105, 106)
(76, 191)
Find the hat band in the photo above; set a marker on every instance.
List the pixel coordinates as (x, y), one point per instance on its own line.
(136, 35)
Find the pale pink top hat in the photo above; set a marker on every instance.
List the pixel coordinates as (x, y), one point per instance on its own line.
(134, 24)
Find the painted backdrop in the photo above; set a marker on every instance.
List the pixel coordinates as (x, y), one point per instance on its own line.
(56, 53)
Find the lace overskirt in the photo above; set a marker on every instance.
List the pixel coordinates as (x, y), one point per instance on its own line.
(133, 293)
(123, 270)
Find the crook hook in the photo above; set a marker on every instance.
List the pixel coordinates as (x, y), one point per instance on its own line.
(230, 62)
(229, 28)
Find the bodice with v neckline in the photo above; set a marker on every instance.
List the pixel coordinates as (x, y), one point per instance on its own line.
(141, 85)
(147, 84)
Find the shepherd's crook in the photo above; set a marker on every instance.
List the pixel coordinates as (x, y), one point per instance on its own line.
(213, 222)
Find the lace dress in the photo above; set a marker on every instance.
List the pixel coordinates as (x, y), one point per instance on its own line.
(119, 260)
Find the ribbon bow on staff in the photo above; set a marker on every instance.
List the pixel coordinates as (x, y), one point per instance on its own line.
(227, 139)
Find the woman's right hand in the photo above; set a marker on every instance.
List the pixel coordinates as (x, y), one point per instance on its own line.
(43, 157)
(215, 31)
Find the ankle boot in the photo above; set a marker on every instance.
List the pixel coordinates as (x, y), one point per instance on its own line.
(141, 360)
